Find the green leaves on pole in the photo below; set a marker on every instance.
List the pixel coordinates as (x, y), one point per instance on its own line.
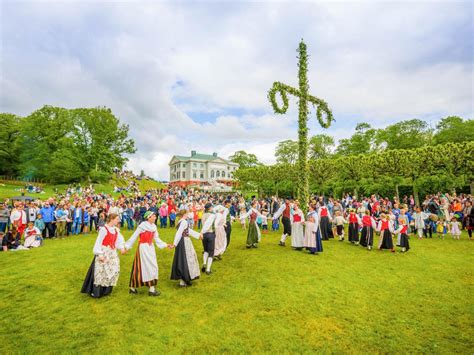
(322, 109)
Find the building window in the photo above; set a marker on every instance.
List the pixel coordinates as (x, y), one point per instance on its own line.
(212, 174)
(218, 173)
(223, 173)
(201, 175)
(194, 174)
(178, 175)
(183, 165)
(194, 165)
(201, 165)
(184, 175)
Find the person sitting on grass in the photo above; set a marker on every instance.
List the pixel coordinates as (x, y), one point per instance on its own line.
(11, 240)
(32, 236)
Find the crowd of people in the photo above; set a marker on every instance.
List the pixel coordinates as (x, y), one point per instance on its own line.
(209, 217)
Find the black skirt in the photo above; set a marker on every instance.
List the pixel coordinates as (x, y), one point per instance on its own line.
(91, 289)
(367, 236)
(180, 270)
(404, 241)
(387, 242)
(353, 232)
(325, 228)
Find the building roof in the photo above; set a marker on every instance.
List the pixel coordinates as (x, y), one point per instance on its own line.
(199, 156)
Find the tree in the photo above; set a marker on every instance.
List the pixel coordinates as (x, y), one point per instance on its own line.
(100, 140)
(287, 152)
(9, 144)
(404, 135)
(454, 129)
(244, 159)
(320, 146)
(361, 142)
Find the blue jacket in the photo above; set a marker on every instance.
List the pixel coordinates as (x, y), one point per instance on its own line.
(48, 214)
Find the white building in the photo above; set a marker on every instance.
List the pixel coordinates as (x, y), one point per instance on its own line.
(201, 169)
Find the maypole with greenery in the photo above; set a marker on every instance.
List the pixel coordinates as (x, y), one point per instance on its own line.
(302, 93)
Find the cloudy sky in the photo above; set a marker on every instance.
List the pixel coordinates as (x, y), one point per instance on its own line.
(194, 75)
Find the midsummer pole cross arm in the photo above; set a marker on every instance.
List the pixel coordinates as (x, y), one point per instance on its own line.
(302, 93)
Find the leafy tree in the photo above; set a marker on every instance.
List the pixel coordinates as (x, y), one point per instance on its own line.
(361, 142)
(9, 144)
(287, 152)
(244, 159)
(404, 135)
(454, 129)
(320, 146)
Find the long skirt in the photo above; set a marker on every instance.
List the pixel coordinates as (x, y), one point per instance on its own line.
(286, 225)
(325, 228)
(185, 263)
(312, 239)
(136, 276)
(32, 242)
(102, 276)
(354, 232)
(367, 236)
(221, 241)
(297, 235)
(386, 241)
(252, 234)
(404, 241)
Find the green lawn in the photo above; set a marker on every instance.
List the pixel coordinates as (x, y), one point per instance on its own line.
(270, 299)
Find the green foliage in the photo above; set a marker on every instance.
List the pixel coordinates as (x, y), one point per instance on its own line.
(361, 142)
(317, 305)
(454, 129)
(61, 145)
(244, 159)
(286, 152)
(320, 146)
(404, 135)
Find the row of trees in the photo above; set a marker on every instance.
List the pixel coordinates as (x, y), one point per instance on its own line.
(63, 145)
(425, 169)
(409, 134)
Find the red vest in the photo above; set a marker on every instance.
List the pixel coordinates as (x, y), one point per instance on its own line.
(367, 221)
(253, 217)
(324, 212)
(146, 237)
(352, 218)
(286, 212)
(296, 218)
(384, 225)
(110, 239)
(404, 229)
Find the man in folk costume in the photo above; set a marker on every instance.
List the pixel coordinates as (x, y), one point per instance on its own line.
(209, 238)
(185, 263)
(285, 211)
(228, 221)
(18, 218)
(145, 266)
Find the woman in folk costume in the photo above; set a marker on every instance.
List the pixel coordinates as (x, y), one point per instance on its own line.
(185, 262)
(312, 238)
(145, 266)
(385, 228)
(18, 218)
(325, 222)
(32, 236)
(285, 211)
(354, 223)
(402, 231)
(104, 271)
(297, 233)
(253, 234)
(221, 237)
(368, 227)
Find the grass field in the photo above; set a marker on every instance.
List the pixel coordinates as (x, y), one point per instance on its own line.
(270, 299)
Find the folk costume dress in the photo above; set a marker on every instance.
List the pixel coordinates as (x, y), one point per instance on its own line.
(32, 238)
(402, 231)
(253, 234)
(354, 222)
(386, 229)
(185, 262)
(297, 233)
(221, 237)
(312, 238)
(325, 223)
(145, 266)
(19, 219)
(103, 276)
(367, 234)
